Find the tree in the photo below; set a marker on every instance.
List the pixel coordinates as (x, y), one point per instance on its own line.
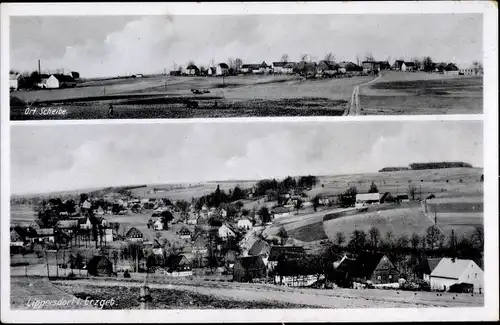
(478, 67)
(298, 204)
(412, 192)
(374, 237)
(237, 194)
(265, 216)
(283, 235)
(369, 57)
(339, 238)
(284, 57)
(329, 57)
(237, 64)
(452, 244)
(348, 198)
(478, 238)
(357, 242)
(402, 242)
(166, 217)
(304, 57)
(433, 237)
(373, 188)
(183, 206)
(315, 202)
(482, 177)
(415, 241)
(428, 64)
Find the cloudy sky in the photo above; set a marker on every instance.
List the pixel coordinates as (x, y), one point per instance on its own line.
(66, 157)
(118, 45)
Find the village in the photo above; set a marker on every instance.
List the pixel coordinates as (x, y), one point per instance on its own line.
(226, 235)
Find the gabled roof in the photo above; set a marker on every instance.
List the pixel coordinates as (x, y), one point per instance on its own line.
(368, 197)
(451, 67)
(366, 263)
(287, 251)
(251, 66)
(45, 232)
(251, 262)
(64, 77)
(410, 64)
(223, 65)
(134, 233)
(279, 64)
(192, 66)
(174, 261)
(450, 268)
(258, 247)
(184, 231)
(15, 236)
(66, 224)
(290, 65)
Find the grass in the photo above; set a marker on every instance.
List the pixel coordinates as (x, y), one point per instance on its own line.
(127, 298)
(309, 233)
(422, 93)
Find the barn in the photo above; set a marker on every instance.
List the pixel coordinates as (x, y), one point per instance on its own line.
(100, 266)
(367, 199)
(248, 268)
(452, 271)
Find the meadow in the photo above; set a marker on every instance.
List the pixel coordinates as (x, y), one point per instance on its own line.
(422, 93)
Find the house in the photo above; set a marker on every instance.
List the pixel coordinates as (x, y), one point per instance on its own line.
(192, 219)
(175, 73)
(248, 268)
(212, 71)
(86, 205)
(289, 68)
(67, 225)
(255, 68)
(158, 224)
(157, 247)
(451, 68)
(85, 223)
(327, 68)
(244, 224)
(346, 67)
(100, 211)
(16, 240)
(277, 67)
(386, 198)
(138, 75)
(427, 265)
(192, 70)
(134, 235)
(369, 66)
(306, 68)
(260, 248)
(184, 233)
(225, 232)
(178, 265)
(108, 235)
(374, 268)
(14, 80)
(223, 213)
(399, 65)
(199, 245)
(100, 266)
(286, 252)
(75, 75)
(230, 258)
(410, 66)
(367, 199)
(280, 212)
(452, 271)
(55, 81)
(221, 69)
(45, 234)
(402, 198)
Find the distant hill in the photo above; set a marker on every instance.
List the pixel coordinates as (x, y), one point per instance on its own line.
(429, 165)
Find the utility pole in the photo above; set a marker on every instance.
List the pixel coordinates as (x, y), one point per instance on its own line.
(39, 70)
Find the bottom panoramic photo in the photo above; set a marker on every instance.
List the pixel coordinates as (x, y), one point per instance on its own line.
(247, 215)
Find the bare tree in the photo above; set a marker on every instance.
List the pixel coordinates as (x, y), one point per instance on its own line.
(304, 57)
(412, 192)
(369, 57)
(329, 57)
(339, 238)
(237, 64)
(284, 57)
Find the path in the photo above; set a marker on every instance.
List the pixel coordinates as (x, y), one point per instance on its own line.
(355, 107)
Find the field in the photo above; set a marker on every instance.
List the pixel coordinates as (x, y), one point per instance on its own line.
(169, 294)
(171, 97)
(422, 93)
(22, 212)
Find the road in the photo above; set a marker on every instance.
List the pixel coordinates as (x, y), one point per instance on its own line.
(355, 107)
(336, 298)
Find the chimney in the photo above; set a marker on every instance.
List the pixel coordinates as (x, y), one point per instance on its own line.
(39, 70)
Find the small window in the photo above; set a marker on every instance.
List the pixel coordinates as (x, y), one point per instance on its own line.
(390, 276)
(379, 278)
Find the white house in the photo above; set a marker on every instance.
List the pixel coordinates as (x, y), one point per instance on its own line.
(225, 232)
(221, 69)
(14, 81)
(192, 70)
(158, 224)
(223, 213)
(108, 235)
(277, 67)
(55, 81)
(288, 68)
(86, 205)
(86, 224)
(244, 224)
(451, 271)
(367, 199)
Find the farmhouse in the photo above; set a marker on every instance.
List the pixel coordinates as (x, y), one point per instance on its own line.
(289, 68)
(410, 66)
(452, 271)
(367, 199)
(15, 239)
(14, 81)
(184, 233)
(427, 265)
(44, 234)
(280, 212)
(225, 232)
(244, 224)
(373, 268)
(221, 69)
(451, 68)
(248, 268)
(327, 68)
(55, 81)
(286, 252)
(349, 67)
(255, 68)
(157, 247)
(100, 266)
(178, 265)
(277, 67)
(260, 248)
(199, 245)
(192, 70)
(386, 198)
(67, 225)
(134, 235)
(369, 66)
(212, 71)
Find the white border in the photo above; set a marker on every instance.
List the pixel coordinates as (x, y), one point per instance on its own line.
(490, 126)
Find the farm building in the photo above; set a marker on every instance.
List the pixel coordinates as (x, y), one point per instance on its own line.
(230, 258)
(427, 265)
(451, 68)
(221, 69)
(289, 68)
(409, 66)
(327, 68)
(175, 73)
(157, 247)
(100, 266)
(248, 268)
(225, 232)
(280, 212)
(260, 248)
(44, 234)
(16, 239)
(134, 235)
(367, 199)
(55, 81)
(369, 66)
(178, 265)
(286, 252)
(373, 268)
(14, 81)
(255, 68)
(349, 67)
(67, 225)
(192, 70)
(199, 245)
(184, 233)
(386, 198)
(277, 67)
(402, 198)
(244, 224)
(212, 71)
(452, 271)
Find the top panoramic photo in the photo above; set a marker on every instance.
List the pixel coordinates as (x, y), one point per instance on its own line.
(217, 66)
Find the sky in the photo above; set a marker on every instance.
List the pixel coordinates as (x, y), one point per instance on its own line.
(99, 46)
(67, 157)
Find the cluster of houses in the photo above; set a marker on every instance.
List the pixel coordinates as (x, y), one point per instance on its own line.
(47, 81)
(322, 68)
(365, 199)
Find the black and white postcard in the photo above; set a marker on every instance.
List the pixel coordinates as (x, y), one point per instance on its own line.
(249, 162)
